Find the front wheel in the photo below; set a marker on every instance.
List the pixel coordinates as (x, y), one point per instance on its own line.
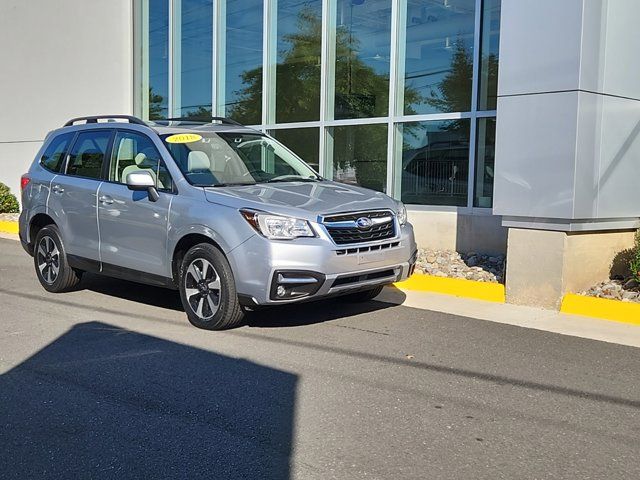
(363, 295)
(207, 289)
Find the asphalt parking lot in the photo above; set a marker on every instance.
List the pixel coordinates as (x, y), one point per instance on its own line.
(111, 381)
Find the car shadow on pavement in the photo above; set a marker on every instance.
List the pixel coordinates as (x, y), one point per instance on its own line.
(298, 315)
(104, 402)
(291, 315)
(135, 292)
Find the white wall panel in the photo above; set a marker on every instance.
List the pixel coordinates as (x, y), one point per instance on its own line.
(59, 60)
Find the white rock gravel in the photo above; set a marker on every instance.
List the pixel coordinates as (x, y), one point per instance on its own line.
(470, 266)
(627, 290)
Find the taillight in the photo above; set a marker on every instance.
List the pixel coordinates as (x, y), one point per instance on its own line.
(24, 181)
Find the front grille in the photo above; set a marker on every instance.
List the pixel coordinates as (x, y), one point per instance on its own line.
(372, 248)
(343, 229)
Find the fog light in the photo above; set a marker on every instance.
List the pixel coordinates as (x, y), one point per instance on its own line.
(281, 291)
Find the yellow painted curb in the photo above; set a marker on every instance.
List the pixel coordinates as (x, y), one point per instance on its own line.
(490, 292)
(601, 308)
(8, 227)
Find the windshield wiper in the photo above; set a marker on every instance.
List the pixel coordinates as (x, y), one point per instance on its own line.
(292, 178)
(232, 184)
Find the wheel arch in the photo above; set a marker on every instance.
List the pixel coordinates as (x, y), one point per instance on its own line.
(37, 223)
(182, 247)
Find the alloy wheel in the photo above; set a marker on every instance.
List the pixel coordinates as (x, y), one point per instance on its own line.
(202, 288)
(48, 259)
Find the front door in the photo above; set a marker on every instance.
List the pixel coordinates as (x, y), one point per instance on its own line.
(133, 229)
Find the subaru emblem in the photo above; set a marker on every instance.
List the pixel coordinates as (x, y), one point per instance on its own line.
(363, 223)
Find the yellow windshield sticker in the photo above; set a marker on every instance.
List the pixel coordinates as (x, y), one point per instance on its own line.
(183, 138)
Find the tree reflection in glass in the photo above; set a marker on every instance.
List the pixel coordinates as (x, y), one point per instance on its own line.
(363, 38)
(438, 56)
(243, 61)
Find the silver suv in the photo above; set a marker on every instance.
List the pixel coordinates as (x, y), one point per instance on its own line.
(223, 213)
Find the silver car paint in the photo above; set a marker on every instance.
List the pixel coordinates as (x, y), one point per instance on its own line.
(108, 222)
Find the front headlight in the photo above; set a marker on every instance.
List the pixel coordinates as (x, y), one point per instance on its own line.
(277, 227)
(402, 213)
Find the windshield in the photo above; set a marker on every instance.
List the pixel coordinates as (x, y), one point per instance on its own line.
(210, 159)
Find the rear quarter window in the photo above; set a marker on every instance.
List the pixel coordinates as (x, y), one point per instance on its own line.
(53, 156)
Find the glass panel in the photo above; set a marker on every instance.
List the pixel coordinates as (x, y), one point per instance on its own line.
(489, 51)
(435, 162)
(53, 156)
(227, 158)
(196, 38)
(304, 142)
(243, 61)
(158, 58)
(298, 61)
(439, 56)
(134, 152)
(87, 155)
(362, 58)
(360, 155)
(485, 156)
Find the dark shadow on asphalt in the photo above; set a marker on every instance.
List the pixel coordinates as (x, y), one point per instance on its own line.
(103, 402)
(302, 314)
(292, 315)
(135, 292)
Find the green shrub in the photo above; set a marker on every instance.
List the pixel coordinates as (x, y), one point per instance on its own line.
(634, 265)
(8, 202)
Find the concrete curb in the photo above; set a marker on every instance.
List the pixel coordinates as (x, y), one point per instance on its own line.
(602, 308)
(8, 226)
(489, 292)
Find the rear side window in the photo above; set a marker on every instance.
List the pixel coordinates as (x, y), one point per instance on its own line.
(53, 156)
(87, 155)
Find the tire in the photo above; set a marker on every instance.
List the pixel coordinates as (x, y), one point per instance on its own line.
(211, 302)
(363, 295)
(50, 261)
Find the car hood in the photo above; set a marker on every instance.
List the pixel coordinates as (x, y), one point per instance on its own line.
(302, 199)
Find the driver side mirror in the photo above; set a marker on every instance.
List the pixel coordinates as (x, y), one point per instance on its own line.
(141, 181)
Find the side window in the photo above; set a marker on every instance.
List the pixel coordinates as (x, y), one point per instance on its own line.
(133, 152)
(53, 156)
(88, 152)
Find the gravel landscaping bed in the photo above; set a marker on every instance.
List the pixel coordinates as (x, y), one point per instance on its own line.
(469, 266)
(9, 217)
(627, 290)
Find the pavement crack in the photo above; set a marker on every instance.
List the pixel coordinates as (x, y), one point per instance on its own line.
(360, 329)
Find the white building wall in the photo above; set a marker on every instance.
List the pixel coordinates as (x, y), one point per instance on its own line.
(59, 59)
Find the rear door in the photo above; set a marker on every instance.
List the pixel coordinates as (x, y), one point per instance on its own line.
(133, 229)
(73, 199)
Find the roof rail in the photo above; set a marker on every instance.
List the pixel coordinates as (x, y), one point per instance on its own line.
(95, 118)
(223, 120)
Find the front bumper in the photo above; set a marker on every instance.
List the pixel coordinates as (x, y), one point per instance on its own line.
(261, 265)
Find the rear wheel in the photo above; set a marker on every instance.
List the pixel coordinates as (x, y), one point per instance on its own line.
(50, 260)
(207, 289)
(363, 295)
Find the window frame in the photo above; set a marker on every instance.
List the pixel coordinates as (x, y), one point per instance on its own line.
(107, 152)
(106, 171)
(72, 137)
(395, 117)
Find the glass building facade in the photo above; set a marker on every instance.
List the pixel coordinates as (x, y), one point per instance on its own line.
(394, 95)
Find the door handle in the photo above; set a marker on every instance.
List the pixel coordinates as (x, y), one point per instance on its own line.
(105, 200)
(57, 189)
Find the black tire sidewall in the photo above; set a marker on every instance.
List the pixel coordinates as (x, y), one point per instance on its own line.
(59, 285)
(228, 296)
